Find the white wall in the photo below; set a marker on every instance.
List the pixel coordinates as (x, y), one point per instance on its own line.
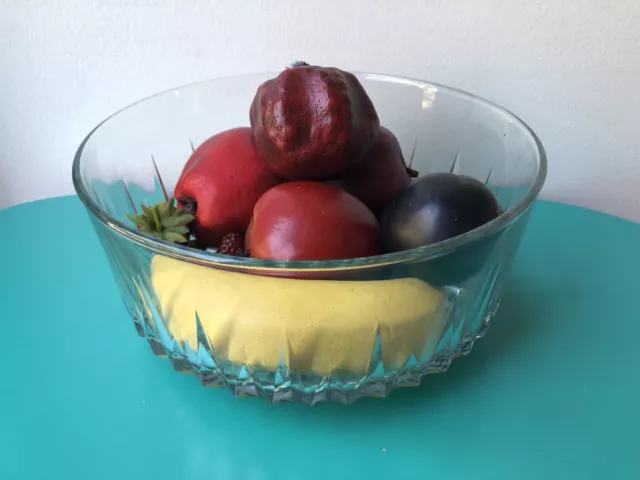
(571, 69)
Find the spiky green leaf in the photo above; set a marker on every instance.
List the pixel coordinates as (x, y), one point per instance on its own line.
(164, 221)
(176, 220)
(181, 229)
(173, 237)
(162, 209)
(171, 204)
(137, 219)
(141, 222)
(147, 210)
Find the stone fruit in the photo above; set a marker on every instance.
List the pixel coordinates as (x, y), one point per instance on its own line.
(434, 208)
(220, 184)
(308, 220)
(382, 174)
(313, 123)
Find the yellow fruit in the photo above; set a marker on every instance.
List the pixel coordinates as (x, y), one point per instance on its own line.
(313, 326)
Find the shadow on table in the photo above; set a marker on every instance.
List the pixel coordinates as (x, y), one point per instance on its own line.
(512, 325)
(515, 320)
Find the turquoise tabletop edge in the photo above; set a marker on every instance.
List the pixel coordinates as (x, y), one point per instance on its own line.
(551, 392)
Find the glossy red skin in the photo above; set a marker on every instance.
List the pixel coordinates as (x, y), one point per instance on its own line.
(226, 177)
(308, 220)
(313, 123)
(381, 175)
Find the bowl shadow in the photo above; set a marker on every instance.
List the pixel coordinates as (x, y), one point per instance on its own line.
(512, 325)
(516, 318)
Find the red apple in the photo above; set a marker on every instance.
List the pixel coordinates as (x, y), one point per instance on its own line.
(308, 220)
(220, 184)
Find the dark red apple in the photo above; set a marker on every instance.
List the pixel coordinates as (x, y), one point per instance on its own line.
(381, 175)
(308, 220)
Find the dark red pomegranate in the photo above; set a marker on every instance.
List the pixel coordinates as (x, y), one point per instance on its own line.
(313, 123)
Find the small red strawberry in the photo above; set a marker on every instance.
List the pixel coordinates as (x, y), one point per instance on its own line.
(232, 244)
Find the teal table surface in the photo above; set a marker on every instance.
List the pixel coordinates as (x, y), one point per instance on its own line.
(551, 392)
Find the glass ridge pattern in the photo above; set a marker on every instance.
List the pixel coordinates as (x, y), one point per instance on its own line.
(471, 303)
(130, 266)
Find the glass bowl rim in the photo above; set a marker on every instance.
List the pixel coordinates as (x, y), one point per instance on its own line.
(243, 263)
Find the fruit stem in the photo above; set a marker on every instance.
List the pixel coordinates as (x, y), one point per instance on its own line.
(190, 207)
(298, 63)
(412, 172)
(156, 219)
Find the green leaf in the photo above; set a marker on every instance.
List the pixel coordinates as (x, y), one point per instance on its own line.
(156, 219)
(163, 209)
(139, 220)
(147, 210)
(181, 229)
(164, 220)
(177, 220)
(171, 205)
(174, 237)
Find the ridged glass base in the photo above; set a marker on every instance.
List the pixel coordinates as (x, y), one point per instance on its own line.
(254, 353)
(309, 333)
(234, 335)
(284, 385)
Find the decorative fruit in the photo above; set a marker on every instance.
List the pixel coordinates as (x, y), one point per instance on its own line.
(220, 184)
(232, 244)
(313, 123)
(327, 326)
(454, 267)
(164, 221)
(381, 175)
(435, 208)
(311, 221)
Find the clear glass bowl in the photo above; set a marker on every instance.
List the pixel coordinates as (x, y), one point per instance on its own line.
(309, 331)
